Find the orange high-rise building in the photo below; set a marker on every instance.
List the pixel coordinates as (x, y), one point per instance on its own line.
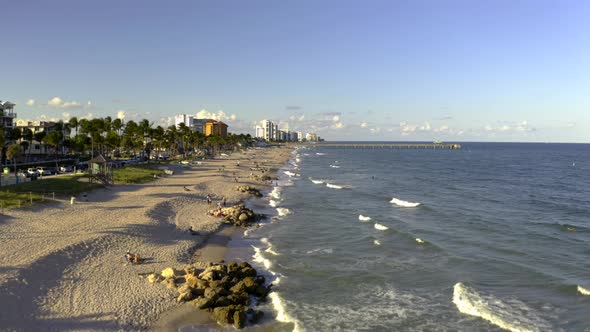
(215, 128)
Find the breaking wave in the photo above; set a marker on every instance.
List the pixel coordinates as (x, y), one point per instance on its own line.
(514, 316)
(320, 153)
(290, 174)
(333, 186)
(364, 218)
(583, 291)
(377, 242)
(316, 181)
(282, 315)
(273, 203)
(283, 212)
(276, 193)
(419, 240)
(381, 227)
(334, 166)
(401, 203)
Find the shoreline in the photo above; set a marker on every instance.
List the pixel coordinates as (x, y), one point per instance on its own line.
(57, 258)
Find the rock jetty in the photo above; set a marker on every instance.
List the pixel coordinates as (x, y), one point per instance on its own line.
(237, 215)
(226, 291)
(250, 190)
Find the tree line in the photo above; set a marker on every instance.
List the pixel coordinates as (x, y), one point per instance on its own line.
(109, 137)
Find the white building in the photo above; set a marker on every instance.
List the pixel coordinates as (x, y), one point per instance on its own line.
(266, 130)
(191, 122)
(183, 118)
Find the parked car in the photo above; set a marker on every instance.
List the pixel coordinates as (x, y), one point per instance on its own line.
(26, 174)
(44, 171)
(66, 169)
(33, 171)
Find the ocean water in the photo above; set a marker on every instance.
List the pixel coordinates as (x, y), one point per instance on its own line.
(490, 237)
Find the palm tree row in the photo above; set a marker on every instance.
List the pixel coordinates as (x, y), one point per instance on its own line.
(109, 136)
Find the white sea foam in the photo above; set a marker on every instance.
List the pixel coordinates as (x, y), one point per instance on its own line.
(291, 174)
(273, 203)
(282, 315)
(321, 250)
(363, 218)
(334, 166)
(276, 193)
(272, 252)
(401, 203)
(377, 242)
(333, 186)
(513, 315)
(320, 153)
(316, 181)
(298, 160)
(283, 211)
(260, 259)
(583, 291)
(419, 240)
(306, 154)
(381, 227)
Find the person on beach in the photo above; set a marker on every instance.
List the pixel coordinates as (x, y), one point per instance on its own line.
(192, 231)
(223, 201)
(209, 200)
(132, 258)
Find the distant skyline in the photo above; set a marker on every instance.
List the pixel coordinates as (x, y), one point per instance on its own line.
(412, 70)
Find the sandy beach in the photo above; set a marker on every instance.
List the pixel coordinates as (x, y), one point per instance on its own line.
(62, 266)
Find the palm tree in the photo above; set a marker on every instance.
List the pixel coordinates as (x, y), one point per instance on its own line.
(12, 152)
(54, 140)
(74, 124)
(39, 136)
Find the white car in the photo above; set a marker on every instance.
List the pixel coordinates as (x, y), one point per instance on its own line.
(66, 169)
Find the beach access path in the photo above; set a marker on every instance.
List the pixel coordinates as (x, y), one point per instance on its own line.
(62, 266)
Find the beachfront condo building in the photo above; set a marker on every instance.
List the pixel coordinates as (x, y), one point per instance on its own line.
(215, 128)
(35, 146)
(266, 130)
(7, 116)
(269, 131)
(206, 127)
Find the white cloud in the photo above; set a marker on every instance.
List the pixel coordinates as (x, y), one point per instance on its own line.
(364, 125)
(510, 127)
(166, 122)
(30, 102)
(338, 125)
(55, 101)
(60, 103)
(87, 116)
(66, 115)
(121, 115)
(219, 116)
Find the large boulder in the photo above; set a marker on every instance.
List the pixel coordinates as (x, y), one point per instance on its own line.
(168, 273)
(204, 303)
(222, 315)
(239, 318)
(153, 278)
(195, 282)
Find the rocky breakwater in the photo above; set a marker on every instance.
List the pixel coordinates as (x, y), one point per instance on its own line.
(226, 291)
(262, 178)
(250, 190)
(237, 215)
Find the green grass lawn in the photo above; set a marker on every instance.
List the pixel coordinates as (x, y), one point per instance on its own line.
(24, 193)
(136, 173)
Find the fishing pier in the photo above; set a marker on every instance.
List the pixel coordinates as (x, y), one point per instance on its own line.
(435, 146)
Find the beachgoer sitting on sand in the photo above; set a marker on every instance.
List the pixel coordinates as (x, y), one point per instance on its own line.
(132, 258)
(192, 231)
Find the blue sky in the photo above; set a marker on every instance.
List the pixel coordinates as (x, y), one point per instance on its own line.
(504, 70)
